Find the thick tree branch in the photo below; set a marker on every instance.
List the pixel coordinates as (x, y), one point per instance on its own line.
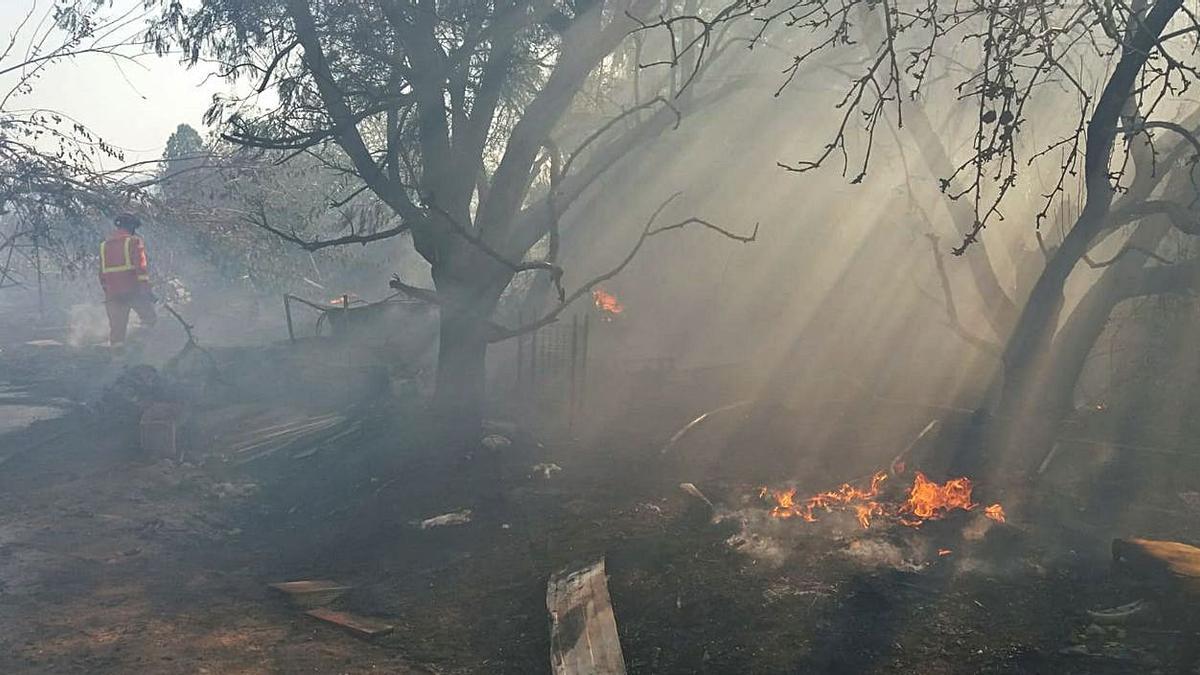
(1182, 277)
(587, 43)
(1183, 218)
(1128, 248)
(477, 241)
(536, 220)
(345, 122)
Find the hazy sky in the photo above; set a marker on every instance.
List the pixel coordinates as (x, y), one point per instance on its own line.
(131, 105)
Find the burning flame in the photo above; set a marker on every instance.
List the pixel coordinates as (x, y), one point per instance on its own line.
(929, 501)
(861, 501)
(995, 512)
(943, 552)
(607, 302)
(925, 500)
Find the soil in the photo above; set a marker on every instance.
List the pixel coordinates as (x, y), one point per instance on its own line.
(112, 561)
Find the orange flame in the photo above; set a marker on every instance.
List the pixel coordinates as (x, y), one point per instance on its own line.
(929, 501)
(943, 552)
(925, 500)
(862, 502)
(995, 512)
(607, 302)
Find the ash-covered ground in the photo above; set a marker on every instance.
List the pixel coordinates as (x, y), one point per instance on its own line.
(114, 561)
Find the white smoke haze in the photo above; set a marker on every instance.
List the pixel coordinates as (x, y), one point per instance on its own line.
(87, 325)
(782, 329)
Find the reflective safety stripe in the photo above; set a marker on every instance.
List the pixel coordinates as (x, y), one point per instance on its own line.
(105, 267)
(143, 277)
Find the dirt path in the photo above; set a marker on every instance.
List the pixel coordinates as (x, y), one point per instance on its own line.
(108, 565)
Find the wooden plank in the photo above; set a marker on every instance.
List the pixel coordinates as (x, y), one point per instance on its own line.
(1174, 568)
(1169, 562)
(357, 625)
(583, 627)
(311, 593)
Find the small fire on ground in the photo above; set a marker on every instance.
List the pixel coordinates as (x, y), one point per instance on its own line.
(607, 303)
(924, 500)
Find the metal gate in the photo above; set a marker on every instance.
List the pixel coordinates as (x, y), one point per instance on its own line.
(552, 369)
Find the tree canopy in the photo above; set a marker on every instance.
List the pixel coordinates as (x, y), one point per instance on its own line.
(450, 113)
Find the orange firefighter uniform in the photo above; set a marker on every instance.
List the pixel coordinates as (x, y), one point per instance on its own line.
(125, 278)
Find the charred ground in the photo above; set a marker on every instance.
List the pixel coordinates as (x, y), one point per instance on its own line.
(112, 561)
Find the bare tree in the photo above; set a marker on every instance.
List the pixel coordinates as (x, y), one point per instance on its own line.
(450, 113)
(51, 165)
(1117, 69)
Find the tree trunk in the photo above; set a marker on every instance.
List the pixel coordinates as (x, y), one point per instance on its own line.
(1027, 413)
(458, 399)
(1021, 407)
(1120, 280)
(1085, 324)
(1040, 380)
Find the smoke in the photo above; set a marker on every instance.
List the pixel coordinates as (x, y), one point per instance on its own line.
(882, 553)
(87, 324)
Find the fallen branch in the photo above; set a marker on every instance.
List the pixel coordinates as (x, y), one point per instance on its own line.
(675, 438)
(694, 491)
(899, 462)
(1117, 615)
(1049, 458)
(190, 345)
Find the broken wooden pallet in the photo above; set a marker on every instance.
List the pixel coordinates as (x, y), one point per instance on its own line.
(357, 625)
(583, 627)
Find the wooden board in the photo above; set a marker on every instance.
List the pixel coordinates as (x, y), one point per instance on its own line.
(583, 628)
(357, 625)
(311, 593)
(1174, 568)
(1169, 562)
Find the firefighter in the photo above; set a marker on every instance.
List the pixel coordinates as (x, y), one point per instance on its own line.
(125, 278)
